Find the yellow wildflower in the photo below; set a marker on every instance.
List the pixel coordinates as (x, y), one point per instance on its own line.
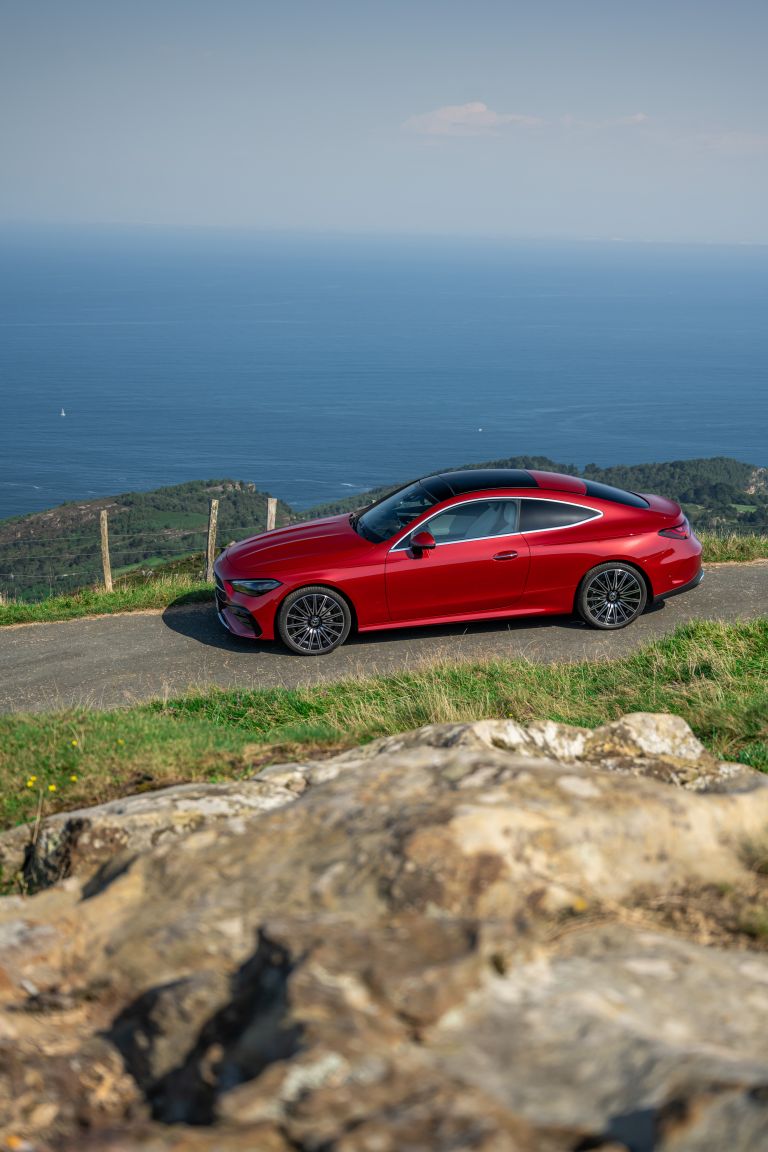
(74, 743)
(121, 742)
(30, 783)
(51, 787)
(73, 779)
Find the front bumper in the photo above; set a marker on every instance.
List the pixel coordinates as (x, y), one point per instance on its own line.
(235, 617)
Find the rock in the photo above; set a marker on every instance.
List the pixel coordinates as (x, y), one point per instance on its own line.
(473, 936)
(646, 734)
(641, 744)
(644, 743)
(520, 1033)
(74, 843)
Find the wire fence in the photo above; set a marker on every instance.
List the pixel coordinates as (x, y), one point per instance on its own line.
(33, 567)
(30, 571)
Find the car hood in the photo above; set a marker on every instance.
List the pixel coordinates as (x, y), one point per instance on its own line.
(331, 538)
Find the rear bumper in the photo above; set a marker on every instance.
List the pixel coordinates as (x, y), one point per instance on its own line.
(682, 588)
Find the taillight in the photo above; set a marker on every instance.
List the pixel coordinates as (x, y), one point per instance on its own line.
(680, 531)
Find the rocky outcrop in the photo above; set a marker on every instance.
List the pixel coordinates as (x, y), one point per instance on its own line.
(472, 936)
(76, 843)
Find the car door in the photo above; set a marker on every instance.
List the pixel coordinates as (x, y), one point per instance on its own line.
(479, 563)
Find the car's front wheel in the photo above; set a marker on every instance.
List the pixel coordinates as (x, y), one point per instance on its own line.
(313, 621)
(611, 596)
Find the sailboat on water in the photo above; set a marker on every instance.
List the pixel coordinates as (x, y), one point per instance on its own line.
(63, 413)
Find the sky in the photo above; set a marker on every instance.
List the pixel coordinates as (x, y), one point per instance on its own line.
(585, 119)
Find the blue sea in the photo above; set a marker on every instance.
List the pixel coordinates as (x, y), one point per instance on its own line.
(319, 366)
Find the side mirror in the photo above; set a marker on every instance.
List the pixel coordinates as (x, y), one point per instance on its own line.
(422, 542)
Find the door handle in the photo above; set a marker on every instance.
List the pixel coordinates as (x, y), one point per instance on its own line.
(505, 556)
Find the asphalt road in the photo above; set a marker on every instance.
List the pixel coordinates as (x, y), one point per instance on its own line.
(112, 661)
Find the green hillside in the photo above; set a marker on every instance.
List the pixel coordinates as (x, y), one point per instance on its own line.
(57, 550)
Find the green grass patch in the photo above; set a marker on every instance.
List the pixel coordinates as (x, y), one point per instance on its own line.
(712, 674)
(154, 583)
(731, 546)
(156, 593)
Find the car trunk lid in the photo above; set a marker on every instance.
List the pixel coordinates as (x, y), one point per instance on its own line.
(663, 507)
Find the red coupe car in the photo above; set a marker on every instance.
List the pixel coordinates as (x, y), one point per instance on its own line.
(474, 544)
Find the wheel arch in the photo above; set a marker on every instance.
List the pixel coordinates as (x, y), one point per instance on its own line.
(318, 584)
(627, 564)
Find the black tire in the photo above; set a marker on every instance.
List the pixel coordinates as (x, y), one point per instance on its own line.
(611, 596)
(312, 621)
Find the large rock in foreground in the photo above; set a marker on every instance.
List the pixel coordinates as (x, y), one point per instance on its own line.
(467, 937)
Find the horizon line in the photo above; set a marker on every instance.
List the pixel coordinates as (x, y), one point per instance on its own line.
(266, 230)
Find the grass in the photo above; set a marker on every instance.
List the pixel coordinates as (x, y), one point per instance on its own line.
(730, 546)
(135, 591)
(158, 593)
(713, 674)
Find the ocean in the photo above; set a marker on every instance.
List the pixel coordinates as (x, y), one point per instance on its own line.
(318, 366)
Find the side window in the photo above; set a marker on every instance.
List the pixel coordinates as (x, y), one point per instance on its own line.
(539, 515)
(474, 521)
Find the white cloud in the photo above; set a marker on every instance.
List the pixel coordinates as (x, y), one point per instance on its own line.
(474, 119)
(477, 119)
(736, 143)
(631, 121)
(635, 118)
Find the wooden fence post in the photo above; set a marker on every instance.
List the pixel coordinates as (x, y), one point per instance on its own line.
(105, 564)
(213, 516)
(271, 513)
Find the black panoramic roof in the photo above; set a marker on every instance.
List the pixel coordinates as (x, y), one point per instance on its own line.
(447, 484)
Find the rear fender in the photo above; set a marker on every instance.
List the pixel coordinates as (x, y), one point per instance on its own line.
(625, 564)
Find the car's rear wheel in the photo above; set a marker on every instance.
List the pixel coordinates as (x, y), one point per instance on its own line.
(313, 621)
(611, 596)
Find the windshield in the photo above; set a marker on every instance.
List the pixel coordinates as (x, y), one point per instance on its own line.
(394, 513)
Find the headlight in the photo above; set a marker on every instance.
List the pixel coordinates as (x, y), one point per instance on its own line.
(254, 587)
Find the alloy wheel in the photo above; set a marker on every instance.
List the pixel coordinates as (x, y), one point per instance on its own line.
(315, 623)
(613, 597)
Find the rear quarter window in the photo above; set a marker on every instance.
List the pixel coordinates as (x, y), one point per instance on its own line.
(541, 515)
